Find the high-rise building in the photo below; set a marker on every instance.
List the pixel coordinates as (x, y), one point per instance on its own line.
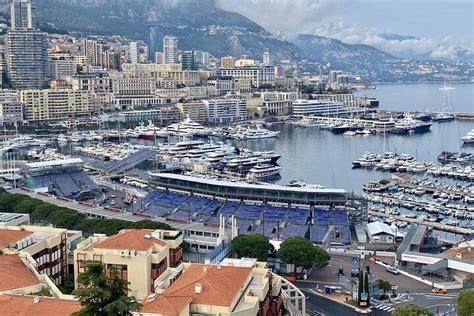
(133, 52)
(154, 40)
(170, 49)
(21, 15)
(267, 60)
(188, 60)
(26, 49)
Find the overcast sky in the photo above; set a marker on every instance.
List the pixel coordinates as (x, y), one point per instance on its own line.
(439, 24)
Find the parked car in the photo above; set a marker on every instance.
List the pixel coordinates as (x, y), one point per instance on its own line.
(393, 270)
(439, 291)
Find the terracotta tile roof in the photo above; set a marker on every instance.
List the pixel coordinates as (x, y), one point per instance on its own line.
(17, 305)
(14, 274)
(8, 236)
(220, 285)
(130, 239)
(170, 306)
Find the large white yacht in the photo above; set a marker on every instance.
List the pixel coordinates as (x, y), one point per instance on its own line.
(188, 127)
(262, 171)
(257, 133)
(468, 138)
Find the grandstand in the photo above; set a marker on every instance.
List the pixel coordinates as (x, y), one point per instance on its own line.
(272, 221)
(330, 226)
(67, 184)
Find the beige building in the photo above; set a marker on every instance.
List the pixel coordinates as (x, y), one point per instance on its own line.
(196, 111)
(227, 62)
(166, 72)
(136, 87)
(236, 287)
(139, 256)
(271, 103)
(47, 247)
(60, 104)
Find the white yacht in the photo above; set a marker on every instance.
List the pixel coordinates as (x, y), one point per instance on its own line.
(468, 138)
(188, 127)
(259, 133)
(262, 171)
(148, 132)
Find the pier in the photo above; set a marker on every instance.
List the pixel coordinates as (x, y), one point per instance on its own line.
(443, 227)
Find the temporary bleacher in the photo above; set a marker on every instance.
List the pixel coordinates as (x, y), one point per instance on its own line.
(332, 225)
(130, 162)
(67, 184)
(292, 230)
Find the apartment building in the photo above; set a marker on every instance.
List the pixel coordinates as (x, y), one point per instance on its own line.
(235, 287)
(195, 110)
(47, 247)
(139, 256)
(271, 103)
(60, 67)
(134, 87)
(56, 104)
(259, 75)
(226, 110)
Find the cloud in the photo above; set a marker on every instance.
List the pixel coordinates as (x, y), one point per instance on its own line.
(323, 17)
(288, 16)
(398, 45)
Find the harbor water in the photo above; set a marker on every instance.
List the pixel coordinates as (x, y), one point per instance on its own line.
(320, 157)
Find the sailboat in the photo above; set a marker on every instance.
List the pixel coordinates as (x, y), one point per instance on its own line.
(445, 116)
(446, 87)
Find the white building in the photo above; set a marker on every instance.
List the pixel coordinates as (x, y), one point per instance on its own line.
(226, 110)
(58, 68)
(133, 47)
(170, 49)
(346, 99)
(317, 107)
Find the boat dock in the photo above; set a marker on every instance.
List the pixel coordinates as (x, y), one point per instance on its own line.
(430, 190)
(439, 226)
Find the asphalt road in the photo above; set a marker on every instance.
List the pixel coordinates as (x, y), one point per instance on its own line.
(413, 291)
(329, 307)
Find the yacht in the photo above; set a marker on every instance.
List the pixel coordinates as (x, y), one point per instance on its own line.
(442, 117)
(305, 122)
(468, 138)
(188, 127)
(410, 125)
(259, 133)
(148, 132)
(262, 171)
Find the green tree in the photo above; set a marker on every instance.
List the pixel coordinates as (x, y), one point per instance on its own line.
(100, 295)
(252, 246)
(466, 302)
(384, 286)
(411, 310)
(302, 253)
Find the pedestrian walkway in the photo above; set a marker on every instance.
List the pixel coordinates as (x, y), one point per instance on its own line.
(385, 308)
